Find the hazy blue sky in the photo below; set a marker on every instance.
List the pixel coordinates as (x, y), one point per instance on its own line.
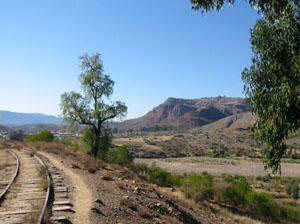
(152, 50)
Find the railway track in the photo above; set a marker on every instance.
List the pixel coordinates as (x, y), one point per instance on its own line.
(8, 170)
(26, 195)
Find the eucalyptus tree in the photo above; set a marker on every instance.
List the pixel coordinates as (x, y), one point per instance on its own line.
(272, 83)
(261, 5)
(92, 108)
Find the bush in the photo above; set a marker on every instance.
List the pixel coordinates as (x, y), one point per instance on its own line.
(198, 187)
(228, 178)
(295, 191)
(262, 204)
(163, 178)
(16, 135)
(291, 213)
(236, 193)
(41, 136)
(121, 156)
(157, 175)
(140, 168)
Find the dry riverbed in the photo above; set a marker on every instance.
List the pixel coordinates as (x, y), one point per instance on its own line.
(218, 166)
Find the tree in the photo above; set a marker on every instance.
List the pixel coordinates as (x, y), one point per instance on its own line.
(92, 109)
(41, 136)
(16, 135)
(272, 83)
(260, 5)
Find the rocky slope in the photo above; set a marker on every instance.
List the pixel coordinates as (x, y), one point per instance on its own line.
(243, 120)
(188, 113)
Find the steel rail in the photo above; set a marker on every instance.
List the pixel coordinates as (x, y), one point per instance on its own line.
(13, 178)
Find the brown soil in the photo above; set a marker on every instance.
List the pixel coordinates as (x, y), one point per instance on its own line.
(83, 200)
(117, 195)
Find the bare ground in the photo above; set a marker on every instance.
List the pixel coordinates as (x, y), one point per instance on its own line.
(217, 166)
(83, 200)
(120, 196)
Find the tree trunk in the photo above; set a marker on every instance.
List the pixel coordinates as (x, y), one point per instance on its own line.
(96, 143)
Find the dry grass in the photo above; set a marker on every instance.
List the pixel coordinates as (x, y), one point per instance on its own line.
(84, 160)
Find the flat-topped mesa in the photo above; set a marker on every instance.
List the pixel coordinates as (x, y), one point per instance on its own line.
(187, 113)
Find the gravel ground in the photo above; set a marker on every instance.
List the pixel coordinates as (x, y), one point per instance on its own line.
(217, 166)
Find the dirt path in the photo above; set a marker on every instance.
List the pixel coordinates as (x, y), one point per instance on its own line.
(83, 200)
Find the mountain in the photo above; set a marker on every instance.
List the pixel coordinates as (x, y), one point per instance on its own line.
(188, 113)
(34, 128)
(12, 119)
(3, 128)
(244, 120)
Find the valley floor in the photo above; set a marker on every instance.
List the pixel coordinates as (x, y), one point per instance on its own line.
(218, 166)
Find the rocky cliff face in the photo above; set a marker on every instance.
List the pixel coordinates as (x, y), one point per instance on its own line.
(187, 113)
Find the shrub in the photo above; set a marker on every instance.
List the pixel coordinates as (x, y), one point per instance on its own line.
(140, 168)
(163, 178)
(121, 156)
(228, 178)
(16, 135)
(288, 189)
(157, 175)
(41, 136)
(262, 204)
(236, 193)
(295, 191)
(291, 213)
(198, 187)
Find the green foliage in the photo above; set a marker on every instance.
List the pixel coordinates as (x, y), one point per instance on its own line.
(163, 178)
(295, 191)
(121, 156)
(288, 189)
(290, 212)
(260, 5)
(262, 204)
(236, 193)
(198, 187)
(157, 175)
(67, 141)
(90, 109)
(140, 168)
(272, 83)
(228, 178)
(105, 141)
(41, 136)
(265, 178)
(16, 135)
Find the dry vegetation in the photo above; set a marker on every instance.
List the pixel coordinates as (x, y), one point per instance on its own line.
(231, 142)
(230, 155)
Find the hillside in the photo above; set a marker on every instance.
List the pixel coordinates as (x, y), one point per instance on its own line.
(3, 128)
(12, 119)
(244, 119)
(187, 113)
(33, 128)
